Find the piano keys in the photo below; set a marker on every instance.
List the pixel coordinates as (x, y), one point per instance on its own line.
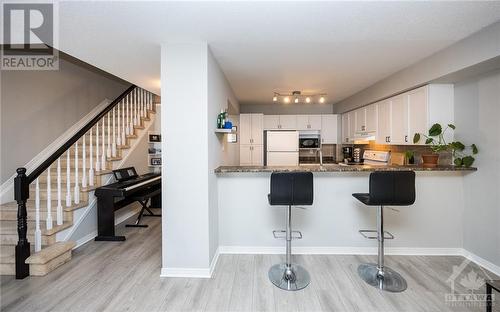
(129, 188)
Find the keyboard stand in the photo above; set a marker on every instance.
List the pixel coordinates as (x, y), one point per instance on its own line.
(143, 200)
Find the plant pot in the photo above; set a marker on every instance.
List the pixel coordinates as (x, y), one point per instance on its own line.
(430, 160)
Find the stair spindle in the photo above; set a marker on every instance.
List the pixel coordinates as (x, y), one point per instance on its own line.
(103, 149)
(135, 107)
(113, 146)
(77, 183)
(124, 138)
(118, 133)
(108, 151)
(127, 115)
(97, 162)
(59, 214)
(49, 201)
(38, 232)
(68, 179)
(84, 164)
(130, 123)
(142, 103)
(91, 163)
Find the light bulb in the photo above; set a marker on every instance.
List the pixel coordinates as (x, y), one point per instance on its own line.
(275, 98)
(286, 99)
(296, 100)
(322, 99)
(308, 100)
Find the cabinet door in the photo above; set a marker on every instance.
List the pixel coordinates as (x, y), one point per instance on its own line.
(314, 122)
(383, 121)
(257, 128)
(257, 155)
(245, 155)
(360, 120)
(345, 128)
(417, 113)
(302, 122)
(352, 125)
(399, 119)
(288, 122)
(371, 118)
(329, 129)
(271, 122)
(245, 129)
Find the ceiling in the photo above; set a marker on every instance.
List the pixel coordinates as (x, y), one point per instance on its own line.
(335, 47)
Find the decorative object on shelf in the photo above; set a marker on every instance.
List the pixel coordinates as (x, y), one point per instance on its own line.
(233, 136)
(299, 97)
(155, 161)
(154, 151)
(221, 119)
(438, 144)
(409, 157)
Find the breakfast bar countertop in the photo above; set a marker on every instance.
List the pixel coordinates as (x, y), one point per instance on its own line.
(335, 168)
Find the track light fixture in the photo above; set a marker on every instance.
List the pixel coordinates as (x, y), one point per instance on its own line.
(298, 97)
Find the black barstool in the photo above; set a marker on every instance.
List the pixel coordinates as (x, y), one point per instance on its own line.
(387, 188)
(290, 189)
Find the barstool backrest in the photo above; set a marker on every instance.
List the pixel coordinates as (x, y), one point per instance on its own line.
(291, 188)
(392, 188)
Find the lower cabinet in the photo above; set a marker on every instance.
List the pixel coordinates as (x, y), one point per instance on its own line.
(251, 155)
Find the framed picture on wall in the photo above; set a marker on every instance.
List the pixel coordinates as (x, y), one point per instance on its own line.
(154, 137)
(155, 161)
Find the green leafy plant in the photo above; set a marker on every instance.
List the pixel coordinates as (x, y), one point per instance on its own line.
(435, 138)
(410, 157)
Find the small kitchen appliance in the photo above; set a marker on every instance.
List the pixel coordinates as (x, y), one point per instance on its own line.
(347, 153)
(357, 155)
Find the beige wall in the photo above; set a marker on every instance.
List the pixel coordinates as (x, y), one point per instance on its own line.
(36, 107)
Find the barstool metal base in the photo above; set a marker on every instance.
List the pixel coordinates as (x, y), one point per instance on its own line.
(390, 281)
(293, 278)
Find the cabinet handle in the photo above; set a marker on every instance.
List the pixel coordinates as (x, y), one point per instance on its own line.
(389, 139)
(406, 138)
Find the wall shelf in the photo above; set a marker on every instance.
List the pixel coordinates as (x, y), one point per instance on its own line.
(224, 131)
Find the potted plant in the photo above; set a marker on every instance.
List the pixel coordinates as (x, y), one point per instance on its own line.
(435, 138)
(409, 157)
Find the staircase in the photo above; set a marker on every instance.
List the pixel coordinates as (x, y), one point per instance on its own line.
(65, 182)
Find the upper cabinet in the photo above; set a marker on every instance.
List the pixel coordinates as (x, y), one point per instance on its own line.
(308, 122)
(280, 122)
(397, 119)
(329, 129)
(251, 129)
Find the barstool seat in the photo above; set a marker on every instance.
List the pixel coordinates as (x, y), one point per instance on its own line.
(290, 189)
(387, 188)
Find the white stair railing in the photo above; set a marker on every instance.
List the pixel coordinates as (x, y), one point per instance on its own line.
(103, 150)
(48, 221)
(113, 146)
(123, 132)
(118, 132)
(97, 162)
(68, 179)
(84, 164)
(38, 232)
(91, 163)
(77, 183)
(108, 136)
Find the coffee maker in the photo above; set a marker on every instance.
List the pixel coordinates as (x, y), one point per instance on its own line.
(347, 153)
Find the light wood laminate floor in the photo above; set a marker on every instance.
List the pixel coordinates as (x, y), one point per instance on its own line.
(110, 276)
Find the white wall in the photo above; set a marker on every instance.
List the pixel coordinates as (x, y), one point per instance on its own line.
(479, 47)
(477, 113)
(194, 92)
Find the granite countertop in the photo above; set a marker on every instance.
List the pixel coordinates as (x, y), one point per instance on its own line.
(335, 168)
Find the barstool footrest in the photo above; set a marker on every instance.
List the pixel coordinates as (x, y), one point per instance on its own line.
(282, 234)
(387, 235)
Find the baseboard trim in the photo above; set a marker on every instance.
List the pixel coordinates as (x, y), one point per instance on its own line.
(482, 262)
(186, 272)
(340, 250)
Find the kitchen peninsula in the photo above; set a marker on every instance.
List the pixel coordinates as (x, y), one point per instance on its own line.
(433, 225)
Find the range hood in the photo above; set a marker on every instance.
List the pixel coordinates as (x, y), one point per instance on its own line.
(364, 137)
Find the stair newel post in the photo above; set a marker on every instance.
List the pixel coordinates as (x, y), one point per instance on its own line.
(103, 149)
(113, 145)
(77, 183)
(59, 215)
(91, 162)
(21, 195)
(48, 221)
(108, 150)
(84, 162)
(38, 232)
(118, 133)
(68, 179)
(97, 163)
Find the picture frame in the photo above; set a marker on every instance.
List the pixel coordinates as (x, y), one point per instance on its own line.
(155, 161)
(154, 137)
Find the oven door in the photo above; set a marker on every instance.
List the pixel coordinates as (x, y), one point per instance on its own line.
(308, 142)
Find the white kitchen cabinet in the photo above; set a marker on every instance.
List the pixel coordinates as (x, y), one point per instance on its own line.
(308, 122)
(352, 125)
(371, 118)
(417, 113)
(288, 122)
(384, 122)
(360, 120)
(280, 122)
(251, 139)
(399, 120)
(271, 122)
(345, 128)
(329, 129)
